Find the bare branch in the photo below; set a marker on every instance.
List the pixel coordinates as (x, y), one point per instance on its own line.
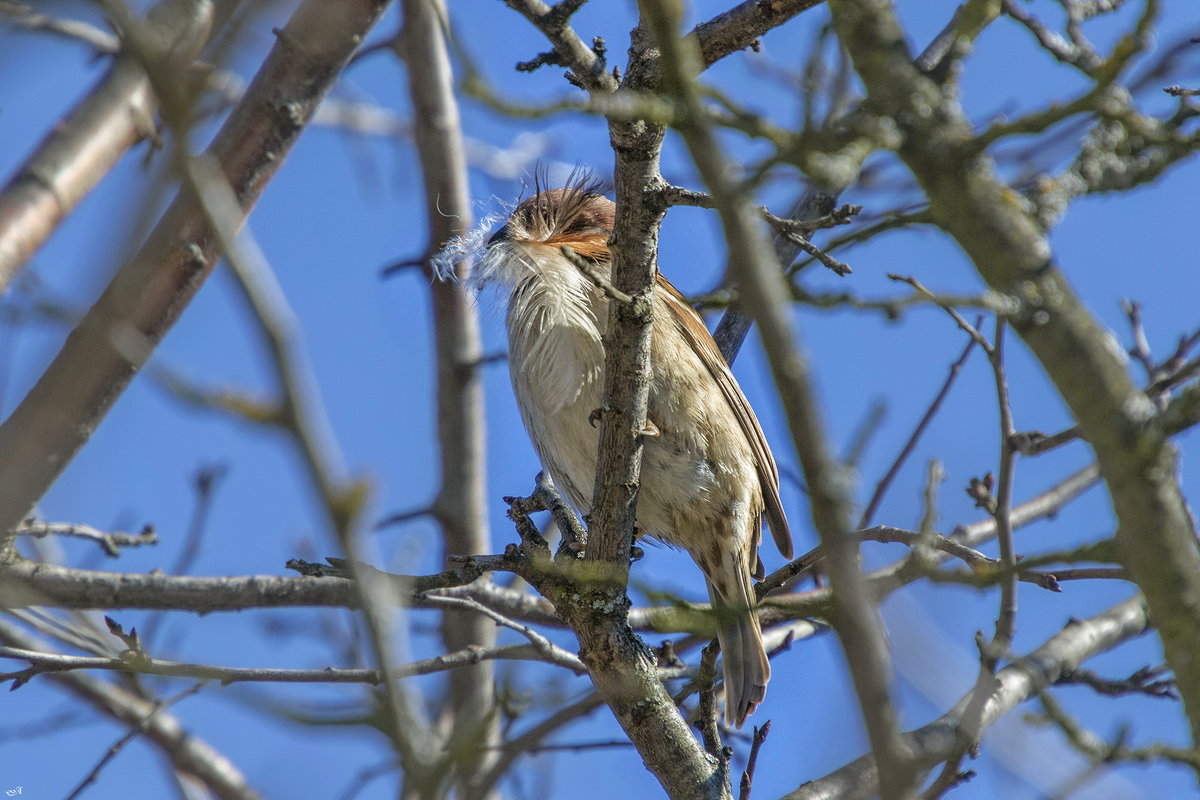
(757, 271)
(882, 486)
(83, 147)
(22, 16)
(747, 783)
(1021, 680)
(531, 739)
(147, 295)
(1100, 751)
(548, 650)
(460, 504)
(1143, 682)
(740, 26)
(110, 543)
(707, 713)
(185, 750)
(586, 65)
(1010, 250)
(135, 731)
(42, 663)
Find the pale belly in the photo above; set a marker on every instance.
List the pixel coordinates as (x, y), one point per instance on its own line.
(683, 489)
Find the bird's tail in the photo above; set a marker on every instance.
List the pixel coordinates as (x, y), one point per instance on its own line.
(747, 669)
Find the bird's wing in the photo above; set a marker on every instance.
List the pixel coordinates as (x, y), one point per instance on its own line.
(693, 328)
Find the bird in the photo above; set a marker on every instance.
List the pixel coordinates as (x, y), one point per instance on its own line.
(708, 476)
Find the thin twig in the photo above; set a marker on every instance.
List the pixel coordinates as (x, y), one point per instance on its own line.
(22, 16)
(909, 446)
(552, 652)
(1140, 349)
(114, 750)
(110, 542)
(947, 736)
(958, 318)
(1142, 682)
(516, 747)
(1106, 752)
(51, 663)
(1006, 620)
(756, 743)
(595, 276)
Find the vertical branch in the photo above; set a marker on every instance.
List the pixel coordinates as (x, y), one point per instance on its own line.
(634, 247)
(999, 505)
(1006, 621)
(459, 506)
(619, 663)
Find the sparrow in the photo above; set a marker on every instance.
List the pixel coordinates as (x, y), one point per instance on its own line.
(708, 476)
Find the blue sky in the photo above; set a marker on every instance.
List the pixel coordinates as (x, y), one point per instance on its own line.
(344, 206)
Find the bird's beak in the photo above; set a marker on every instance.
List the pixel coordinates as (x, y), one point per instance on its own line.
(499, 236)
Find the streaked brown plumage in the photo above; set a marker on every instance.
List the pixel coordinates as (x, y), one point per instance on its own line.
(708, 477)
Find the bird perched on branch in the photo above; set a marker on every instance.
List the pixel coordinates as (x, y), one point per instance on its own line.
(707, 477)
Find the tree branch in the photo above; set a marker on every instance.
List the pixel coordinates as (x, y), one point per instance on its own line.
(187, 752)
(460, 504)
(1011, 252)
(147, 295)
(43, 663)
(1016, 683)
(80, 150)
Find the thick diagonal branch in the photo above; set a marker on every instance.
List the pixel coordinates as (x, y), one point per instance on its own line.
(84, 145)
(148, 294)
(1011, 252)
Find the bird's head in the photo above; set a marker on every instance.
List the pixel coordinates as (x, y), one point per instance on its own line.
(576, 216)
